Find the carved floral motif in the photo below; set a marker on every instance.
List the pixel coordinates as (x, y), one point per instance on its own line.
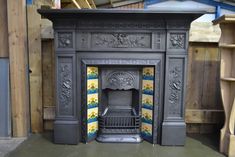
(121, 40)
(65, 40)
(65, 88)
(175, 84)
(177, 41)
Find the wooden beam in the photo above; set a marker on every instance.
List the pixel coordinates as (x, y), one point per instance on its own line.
(16, 12)
(92, 4)
(76, 4)
(48, 67)
(35, 65)
(47, 31)
(84, 4)
(204, 116)
(3, 29)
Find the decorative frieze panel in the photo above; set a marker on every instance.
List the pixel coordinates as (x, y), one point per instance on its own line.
(178, 24)
(121, 24)
(65, 86)
(121, 41)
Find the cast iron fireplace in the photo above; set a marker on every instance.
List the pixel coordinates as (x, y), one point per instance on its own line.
(120, 75)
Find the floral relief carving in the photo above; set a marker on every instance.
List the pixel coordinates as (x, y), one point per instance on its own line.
(65, 88)
(65, 40)
(175, 90)
(177, 41)
(121, 40)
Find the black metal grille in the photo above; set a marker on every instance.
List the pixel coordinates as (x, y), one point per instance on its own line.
(119, 124)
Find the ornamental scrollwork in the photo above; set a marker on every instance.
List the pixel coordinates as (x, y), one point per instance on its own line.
(121, 40)
(65, 88)
(120, 79)
(175, 89)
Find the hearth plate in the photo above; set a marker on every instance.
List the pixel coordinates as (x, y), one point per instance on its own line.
(119, 138)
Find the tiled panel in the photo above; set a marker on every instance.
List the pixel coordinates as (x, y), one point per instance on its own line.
(146, 131)
(92, 130)
(92, 102)
(147, 103)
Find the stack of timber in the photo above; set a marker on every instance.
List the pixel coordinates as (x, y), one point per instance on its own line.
(227, 82)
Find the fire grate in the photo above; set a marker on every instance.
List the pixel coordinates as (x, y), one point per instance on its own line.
(121, 124)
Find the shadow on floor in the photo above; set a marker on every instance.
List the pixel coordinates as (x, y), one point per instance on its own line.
(41, 145)
(210, 140)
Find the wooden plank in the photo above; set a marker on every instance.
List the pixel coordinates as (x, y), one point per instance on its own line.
(231, 149)
(76, 4)
(48, 71)
(204, 116)
(230, 18)
(136, 5)
(232, 119)
(49, 125)
(49, 113)
(211, 91)
(204, 32)
(228, 36)
(92, 4)
(84, 4)
(47, 31)
(197, 128)
(16, 12)
(203, 77)
(35, 65)
(194, 79)
(3, 29)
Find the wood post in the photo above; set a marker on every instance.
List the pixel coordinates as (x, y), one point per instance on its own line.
(35, 65)
(3, 29)
(16, 13)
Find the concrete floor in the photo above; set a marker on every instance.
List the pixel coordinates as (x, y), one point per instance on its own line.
(41, 146)
(8, 145)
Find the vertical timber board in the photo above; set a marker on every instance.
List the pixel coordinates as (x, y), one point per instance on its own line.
(202, 82)
(16, 11)
(35, 65)
(3, 29)
(48, 83)
(211, 78)
(195, 79)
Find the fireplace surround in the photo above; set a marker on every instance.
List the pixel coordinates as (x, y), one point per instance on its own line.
(120, 75)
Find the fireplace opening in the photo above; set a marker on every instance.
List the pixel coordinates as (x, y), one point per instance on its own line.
(119, 110)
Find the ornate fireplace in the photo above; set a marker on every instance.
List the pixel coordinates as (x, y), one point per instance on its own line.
(120, 75)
